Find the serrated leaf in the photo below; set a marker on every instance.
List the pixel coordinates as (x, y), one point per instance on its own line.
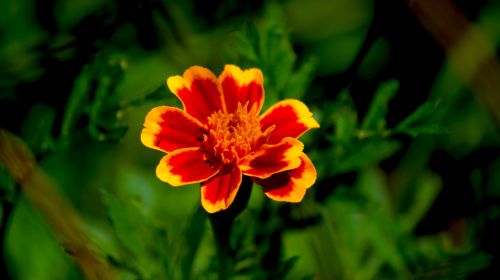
(266, 45)
(375, 118)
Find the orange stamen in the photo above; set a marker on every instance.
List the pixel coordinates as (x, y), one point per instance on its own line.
(231, 136)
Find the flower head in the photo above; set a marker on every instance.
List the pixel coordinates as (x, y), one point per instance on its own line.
(220, 136)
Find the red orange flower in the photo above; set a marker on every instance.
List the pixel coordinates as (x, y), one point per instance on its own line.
(219, 137)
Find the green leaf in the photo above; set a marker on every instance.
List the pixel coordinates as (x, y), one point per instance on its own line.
(7, 186)
(37, 128)
(266, 45)
(426, 129)
(342, 115)
(345, 125)
(32, 250)
(287, 266)
(158, 94)
(125, 222)
(93, 96)
(104, 122)
(76, 103)
(418, 198)
(375, 118)
(369, 153)
(132, 232)
(193, 234)
(420, 114)
(458, 267)
(247, 43)
(301, 80)
(372, 185)
(414, 124)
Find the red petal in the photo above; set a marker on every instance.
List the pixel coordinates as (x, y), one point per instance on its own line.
(219, 192)
(198, 91)
(291, 118)
(290, 186)
(241, 87)
(168, 129)
(271, 159)
(185, 166)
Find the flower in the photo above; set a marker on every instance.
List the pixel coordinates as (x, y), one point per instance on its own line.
(219, 137)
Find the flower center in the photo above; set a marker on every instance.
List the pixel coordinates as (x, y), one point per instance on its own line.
(231, 136)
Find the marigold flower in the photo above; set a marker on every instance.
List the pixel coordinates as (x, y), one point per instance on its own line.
(219, 137)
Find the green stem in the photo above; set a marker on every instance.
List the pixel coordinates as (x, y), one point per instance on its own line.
(222, 233)
(221, 226)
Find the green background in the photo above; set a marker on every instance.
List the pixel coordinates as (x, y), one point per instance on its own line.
(407, 158)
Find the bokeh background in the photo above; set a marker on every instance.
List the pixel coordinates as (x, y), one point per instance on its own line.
(407, 94)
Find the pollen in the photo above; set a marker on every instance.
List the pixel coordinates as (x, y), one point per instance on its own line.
(231, 136)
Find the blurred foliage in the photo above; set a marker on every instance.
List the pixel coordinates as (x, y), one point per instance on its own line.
(408, 161)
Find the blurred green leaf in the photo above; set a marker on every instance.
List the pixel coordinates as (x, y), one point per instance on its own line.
(340, 114)
(248, 44)
(345, 125)
(423, 129)
(366, 154)
(277, 55)
(459, 267)
(7, 186)
(266, 45)
(287, 266)
(93, 97)
(373, 186)
(417, 200)
(193, 235)
(32, 251)
(104, 123)
(133, 233)
(493, 185)
(300, 81)
(414, 124)
(37, 128)
(75, 107)
(420, 114)
(358, 240)
(375, 118)
(154, 96)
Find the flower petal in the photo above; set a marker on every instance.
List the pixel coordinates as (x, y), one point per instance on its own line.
(240, 86)
(291, 118)
(185, 166)
(198, 91)
(168, 129)
(290, 186)
(219, 192)
(271, 159)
